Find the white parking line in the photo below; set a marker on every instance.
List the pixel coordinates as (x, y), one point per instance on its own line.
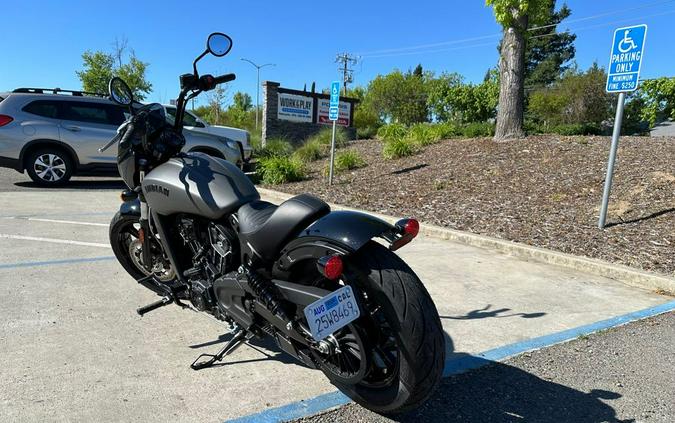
(55, 241)
(69, 222)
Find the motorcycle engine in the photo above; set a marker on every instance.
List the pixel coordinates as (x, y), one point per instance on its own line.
(214, 251)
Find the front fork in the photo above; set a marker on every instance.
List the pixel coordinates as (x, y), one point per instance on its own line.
(144, 233)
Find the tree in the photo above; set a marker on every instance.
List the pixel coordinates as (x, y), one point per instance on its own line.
(242, 101)
(548, 52)
(451, 99)
(514, 17)
(658, 97)
(400, 97)
(216, 100)
(99, 67)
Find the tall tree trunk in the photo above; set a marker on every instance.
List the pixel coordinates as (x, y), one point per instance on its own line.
(512, 82)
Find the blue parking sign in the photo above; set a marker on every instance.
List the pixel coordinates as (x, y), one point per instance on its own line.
(626, 58)
(334, 110)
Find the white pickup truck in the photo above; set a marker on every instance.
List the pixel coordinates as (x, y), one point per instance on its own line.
(192, 122)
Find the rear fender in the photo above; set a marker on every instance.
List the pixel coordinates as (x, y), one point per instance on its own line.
(339, 232)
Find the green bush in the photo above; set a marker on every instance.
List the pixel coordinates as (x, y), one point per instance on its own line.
(576, 129)
(324, 137)
(281, 169)
(478, 129)
(347, 160)
(399, 147)
(275, 147)
(309, 152)
(392, 131)
(369, 132)
(422, 134)
(445, 130)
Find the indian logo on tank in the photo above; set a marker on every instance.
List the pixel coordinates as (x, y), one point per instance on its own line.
(156, 188)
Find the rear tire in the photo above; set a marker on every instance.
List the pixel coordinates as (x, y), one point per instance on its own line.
(49, 167)
(414, 321)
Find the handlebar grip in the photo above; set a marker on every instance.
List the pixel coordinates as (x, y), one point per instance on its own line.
(224, 78)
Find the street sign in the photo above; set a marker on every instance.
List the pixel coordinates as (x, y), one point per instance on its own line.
(626, 58)
(334, 109)
(622, 76)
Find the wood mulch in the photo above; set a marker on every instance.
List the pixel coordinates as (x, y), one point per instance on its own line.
(543, 191)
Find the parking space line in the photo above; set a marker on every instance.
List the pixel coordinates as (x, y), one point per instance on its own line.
(68, 222)
(454, 366)
(54, 240)
(55, 262)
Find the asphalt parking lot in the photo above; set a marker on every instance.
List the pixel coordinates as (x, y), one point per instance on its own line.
(75, 350)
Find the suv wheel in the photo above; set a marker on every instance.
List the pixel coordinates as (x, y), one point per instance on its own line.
(49, 167)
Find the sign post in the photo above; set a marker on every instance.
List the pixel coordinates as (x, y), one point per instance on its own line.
(333, 114)
(623, 74)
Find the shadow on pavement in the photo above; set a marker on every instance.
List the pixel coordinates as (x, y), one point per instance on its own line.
(485, 312)
(97, 184)
(501, 393)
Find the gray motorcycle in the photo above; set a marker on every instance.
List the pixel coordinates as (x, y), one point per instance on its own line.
(192, 228)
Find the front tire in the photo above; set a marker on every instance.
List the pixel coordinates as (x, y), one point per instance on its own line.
(412, 318)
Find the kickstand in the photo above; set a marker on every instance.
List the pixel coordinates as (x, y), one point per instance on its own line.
(237, 339)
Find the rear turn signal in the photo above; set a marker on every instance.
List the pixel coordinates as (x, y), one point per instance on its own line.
(408, 230)
(330, 266)
(4, 120)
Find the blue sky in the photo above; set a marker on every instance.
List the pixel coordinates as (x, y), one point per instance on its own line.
(43, 40)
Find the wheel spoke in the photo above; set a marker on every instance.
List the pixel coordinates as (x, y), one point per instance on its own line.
(43, 173)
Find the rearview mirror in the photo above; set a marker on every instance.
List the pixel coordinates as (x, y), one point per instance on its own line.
(219, 44)
(120, 92)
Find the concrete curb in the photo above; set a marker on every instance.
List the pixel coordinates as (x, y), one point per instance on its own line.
(625, 274)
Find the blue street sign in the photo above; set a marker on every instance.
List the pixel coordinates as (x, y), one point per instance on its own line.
(626, 58)
(334, 110)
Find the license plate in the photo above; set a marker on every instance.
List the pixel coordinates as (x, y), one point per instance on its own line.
(332, 312)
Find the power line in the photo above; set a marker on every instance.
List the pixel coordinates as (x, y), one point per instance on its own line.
(379, 53)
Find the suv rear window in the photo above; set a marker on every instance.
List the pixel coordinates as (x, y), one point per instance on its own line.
(105, 114)
(44, 108)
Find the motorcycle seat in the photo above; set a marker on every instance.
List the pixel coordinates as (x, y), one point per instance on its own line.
(267, 228)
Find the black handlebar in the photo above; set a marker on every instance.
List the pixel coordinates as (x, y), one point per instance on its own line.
(209, 82)
(224, 78)
(129, 130)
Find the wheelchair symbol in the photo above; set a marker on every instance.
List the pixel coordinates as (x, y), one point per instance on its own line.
(626, 44)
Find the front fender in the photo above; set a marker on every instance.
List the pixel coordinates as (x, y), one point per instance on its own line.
(339, 232)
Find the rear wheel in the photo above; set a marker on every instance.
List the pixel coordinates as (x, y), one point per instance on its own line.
(391, 359)
(49, 167)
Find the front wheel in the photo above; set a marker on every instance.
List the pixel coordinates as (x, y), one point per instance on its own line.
(400, 339)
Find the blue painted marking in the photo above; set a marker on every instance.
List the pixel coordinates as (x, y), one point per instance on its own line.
(325, 402)
(53, 262)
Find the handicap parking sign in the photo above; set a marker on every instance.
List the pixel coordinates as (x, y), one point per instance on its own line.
(334, 109)
(626, 58)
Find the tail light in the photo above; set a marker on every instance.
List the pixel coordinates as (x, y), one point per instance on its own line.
(4, 120)
(408, 230)
(330, 266)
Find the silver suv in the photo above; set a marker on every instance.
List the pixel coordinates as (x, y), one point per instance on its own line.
(54, 134)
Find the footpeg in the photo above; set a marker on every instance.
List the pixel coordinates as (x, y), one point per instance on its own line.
(157, 304)
(237, 339)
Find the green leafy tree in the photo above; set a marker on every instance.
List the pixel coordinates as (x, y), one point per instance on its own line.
(242, 101)
(400, 97)
(99, 67)
(548, 53)
(514, 16)
(450, 99)
(658, 98)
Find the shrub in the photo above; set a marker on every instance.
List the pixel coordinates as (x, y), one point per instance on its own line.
(392, 131)
(422, 134)
(347, 160)
(324, 137)
(399, 147)
(576, 129)
(445, 130)
(281, 169)
(478, 129)
(366, 133)
(275, 147)
(309, 152)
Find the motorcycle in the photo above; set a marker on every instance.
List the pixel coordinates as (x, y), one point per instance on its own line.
(193, 229)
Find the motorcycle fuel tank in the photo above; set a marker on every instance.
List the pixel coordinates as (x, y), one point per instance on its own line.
(199, 184)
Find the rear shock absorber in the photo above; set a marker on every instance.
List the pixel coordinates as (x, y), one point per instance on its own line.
(264, 290)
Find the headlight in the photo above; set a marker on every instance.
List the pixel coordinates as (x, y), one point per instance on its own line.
(232, 144)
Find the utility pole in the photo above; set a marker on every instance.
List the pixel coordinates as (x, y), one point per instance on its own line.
(346, 60)
(257, 89)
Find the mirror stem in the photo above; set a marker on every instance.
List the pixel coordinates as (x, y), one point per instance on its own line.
(194, 64)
